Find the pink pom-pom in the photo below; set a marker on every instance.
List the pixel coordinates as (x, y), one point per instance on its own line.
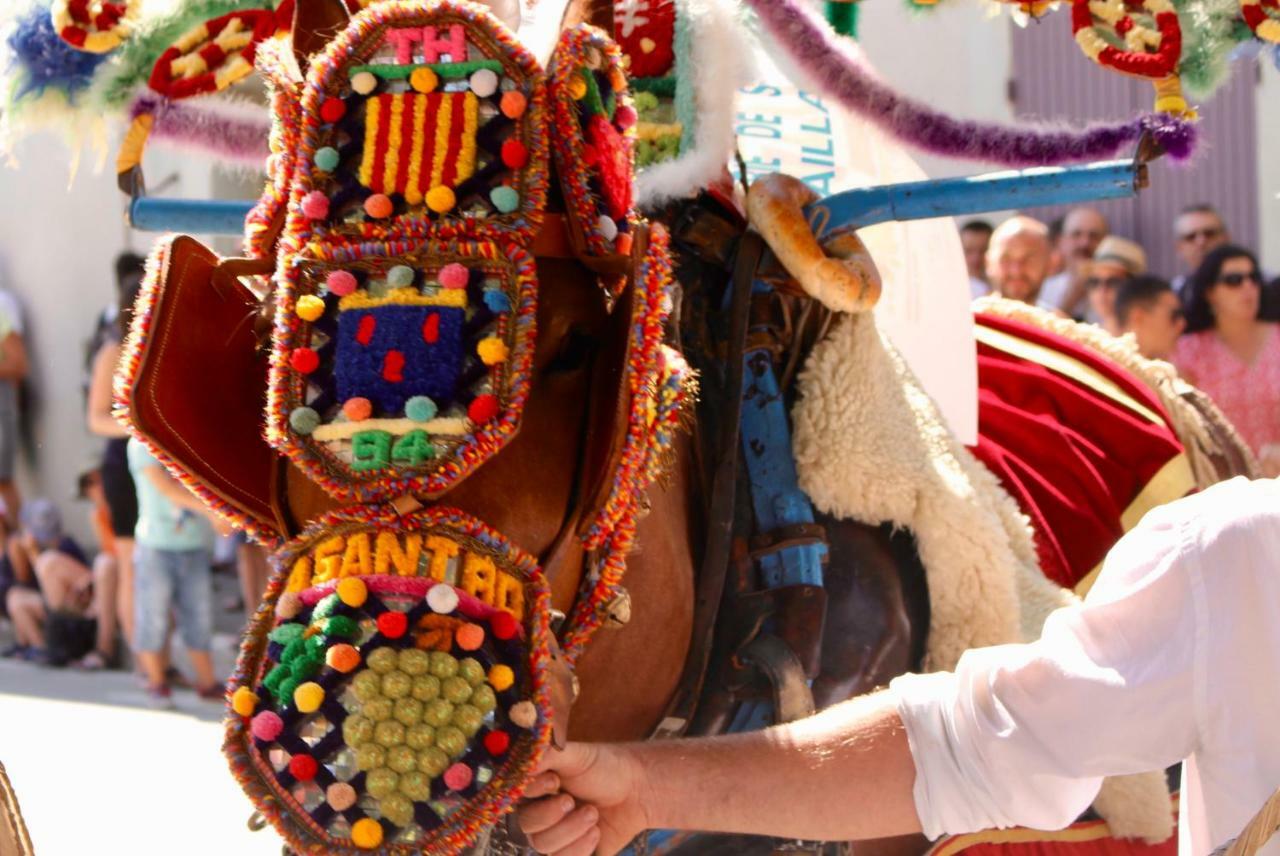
(315, 206)
(458, 776)
(267, 725)
(625, 116)
(453, 275)
(341, 282)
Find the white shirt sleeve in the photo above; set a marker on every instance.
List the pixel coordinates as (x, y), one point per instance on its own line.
(1021, 735)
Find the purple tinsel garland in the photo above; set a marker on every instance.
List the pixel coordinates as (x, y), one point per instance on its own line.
(239, 138)
(808, 43)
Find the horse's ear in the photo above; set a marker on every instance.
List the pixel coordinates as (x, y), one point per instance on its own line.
(598, 13)
(315, 24)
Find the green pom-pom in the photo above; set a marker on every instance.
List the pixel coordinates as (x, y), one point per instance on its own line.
(325, 607)
(304, 668)
(304, 420)
(286, 633)
(505, 199)
(295, 649)
(327, 159)
(287, 686)
(272, 682)
(400, 276)
(341, 625)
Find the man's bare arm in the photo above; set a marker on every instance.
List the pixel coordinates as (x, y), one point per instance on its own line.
(845, 774)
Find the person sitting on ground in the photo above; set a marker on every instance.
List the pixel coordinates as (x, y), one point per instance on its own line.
(65, 583)
(1171, 657)
(1082, 231)
(1147, 307)
(1018, 258)
(975, 237)
(1116, 261)
(172, 571)
(1231, 353)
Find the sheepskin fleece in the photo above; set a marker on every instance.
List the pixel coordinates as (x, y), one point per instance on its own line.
(871, 446)
(717, 62)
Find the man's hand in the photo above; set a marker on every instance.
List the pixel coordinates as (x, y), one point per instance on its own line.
(585, 799)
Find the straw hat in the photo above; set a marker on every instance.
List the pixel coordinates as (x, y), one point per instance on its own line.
(1123, 252)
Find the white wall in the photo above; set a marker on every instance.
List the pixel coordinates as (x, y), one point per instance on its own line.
(57, 247)
(1268, 94)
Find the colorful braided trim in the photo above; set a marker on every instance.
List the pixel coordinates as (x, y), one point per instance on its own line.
(659, 384)
(594, 126)
(391, 694)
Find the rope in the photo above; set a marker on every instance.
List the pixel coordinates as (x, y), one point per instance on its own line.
(1259, 831)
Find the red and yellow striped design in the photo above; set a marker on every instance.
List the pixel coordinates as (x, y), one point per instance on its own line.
(414, 142)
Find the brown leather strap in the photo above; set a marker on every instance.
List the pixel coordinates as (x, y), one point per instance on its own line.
(720, 514)
(552, 240)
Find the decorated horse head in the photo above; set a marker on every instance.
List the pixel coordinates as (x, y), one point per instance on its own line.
(443, 386)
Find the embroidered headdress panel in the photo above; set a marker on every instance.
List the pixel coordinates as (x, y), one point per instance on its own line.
(407, 288)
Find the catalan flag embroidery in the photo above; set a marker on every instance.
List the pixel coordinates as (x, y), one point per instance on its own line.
(414, 142)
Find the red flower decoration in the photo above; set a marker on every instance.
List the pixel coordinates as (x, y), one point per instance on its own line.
(615, 165)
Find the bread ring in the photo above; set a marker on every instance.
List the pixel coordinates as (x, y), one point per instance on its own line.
(848, 282)
(93, 26)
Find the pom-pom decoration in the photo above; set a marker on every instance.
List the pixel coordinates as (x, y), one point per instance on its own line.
(1260, 15)
(94, 26)
(398, 717)
(1152, 39)
(213, 55)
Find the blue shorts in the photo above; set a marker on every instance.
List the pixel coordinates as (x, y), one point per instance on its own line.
(181, 579)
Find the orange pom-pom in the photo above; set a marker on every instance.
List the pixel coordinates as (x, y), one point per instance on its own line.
(358, 409)
(469, 637)
(342, 658)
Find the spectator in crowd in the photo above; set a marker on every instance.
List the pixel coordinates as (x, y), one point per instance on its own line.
(64, 582)
(1198, 229)
(1017, 259)
(172, 570)
(1147, 307)
(13, 370)
(1114, 263)
(1056, 262)
(254, 572)
(1082, 230)
(975, 237)
(1230, 353)
(117, 483)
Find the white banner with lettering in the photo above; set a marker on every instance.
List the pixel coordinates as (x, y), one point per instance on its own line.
(925, 305)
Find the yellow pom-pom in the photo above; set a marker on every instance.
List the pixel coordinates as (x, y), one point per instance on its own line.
(366, 833)
(577, 87)
(424, 80)
(310, 307)
(441, 199)
(243, 701)
(501, 677)
(308, 697)
(352, 591)
(492, 351)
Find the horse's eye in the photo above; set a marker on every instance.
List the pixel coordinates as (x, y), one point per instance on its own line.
(574, 352)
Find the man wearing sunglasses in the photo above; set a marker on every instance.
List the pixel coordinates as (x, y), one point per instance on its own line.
(1147, 307)
(1200, 229)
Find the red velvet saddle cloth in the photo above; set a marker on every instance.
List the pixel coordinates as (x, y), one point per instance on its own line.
(1083, 446)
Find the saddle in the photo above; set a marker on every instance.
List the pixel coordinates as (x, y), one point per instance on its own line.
(459, 298)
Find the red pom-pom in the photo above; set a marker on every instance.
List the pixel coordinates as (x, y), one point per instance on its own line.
(514, 154)
(483, 408)
(504, 625)
(304, 360)
(590, 156)
(392, 624)
(497, 742)
(315, 205)
(303, 767)
(333, 109)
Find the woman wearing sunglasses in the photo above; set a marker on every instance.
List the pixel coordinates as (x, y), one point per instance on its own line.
(1230, 353)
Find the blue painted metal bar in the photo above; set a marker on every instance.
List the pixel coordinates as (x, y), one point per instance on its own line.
(996, 191)
(916, 200)
(196, 216)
